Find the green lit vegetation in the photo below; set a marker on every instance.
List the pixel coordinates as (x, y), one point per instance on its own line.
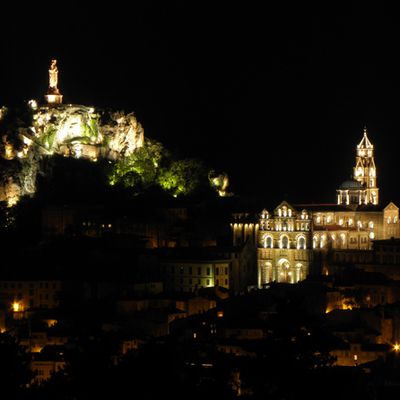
(152, 165)
(182, 177)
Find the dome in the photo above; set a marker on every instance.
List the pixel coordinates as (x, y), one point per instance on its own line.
(351, 184)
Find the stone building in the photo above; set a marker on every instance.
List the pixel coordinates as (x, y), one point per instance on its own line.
(293, 236)
(284, 245)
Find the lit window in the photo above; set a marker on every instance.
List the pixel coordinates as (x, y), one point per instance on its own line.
(301, 242)
(284, 242)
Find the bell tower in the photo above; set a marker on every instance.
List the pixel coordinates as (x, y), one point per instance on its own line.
(365, 170)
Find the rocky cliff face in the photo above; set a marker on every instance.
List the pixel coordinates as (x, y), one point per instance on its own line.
(69, 130)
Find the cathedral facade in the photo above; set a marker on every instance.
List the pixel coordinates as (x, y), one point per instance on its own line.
(289, 239)
(284, 245)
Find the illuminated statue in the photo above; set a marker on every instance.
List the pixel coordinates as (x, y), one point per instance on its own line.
(53, 76)
(53, 95)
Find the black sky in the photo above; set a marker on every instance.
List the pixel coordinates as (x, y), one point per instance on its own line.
(276, 97)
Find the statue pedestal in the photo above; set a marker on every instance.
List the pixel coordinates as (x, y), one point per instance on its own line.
(54, 98)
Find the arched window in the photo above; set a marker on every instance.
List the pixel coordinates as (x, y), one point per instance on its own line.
(301, 243)
(284, 242)
(289, 212)
(269, 242)
(315, 241)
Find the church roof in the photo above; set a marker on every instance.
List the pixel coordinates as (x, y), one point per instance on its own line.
(351, 184)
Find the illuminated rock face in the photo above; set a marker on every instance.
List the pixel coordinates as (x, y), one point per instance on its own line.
(69, 130)
(76, 131)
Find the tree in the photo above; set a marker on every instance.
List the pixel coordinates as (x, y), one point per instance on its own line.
(140, 169)
(183, 177)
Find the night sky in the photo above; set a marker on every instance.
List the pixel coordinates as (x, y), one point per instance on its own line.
(276, 97)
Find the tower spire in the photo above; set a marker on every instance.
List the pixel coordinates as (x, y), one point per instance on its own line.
(362, 188)
(365, 170)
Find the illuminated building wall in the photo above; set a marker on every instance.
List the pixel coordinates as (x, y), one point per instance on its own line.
(284, 245)
(336, 227)
(187, 276)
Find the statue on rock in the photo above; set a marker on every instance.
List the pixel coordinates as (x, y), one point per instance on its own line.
(53, 95)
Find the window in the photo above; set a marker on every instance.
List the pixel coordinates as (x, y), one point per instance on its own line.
(284, 242)
(208, 271)
(181, 270)
(226, 281)
(226, 270)
(217, 282)
(208, 282)
(301, 242)
(217, 270)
